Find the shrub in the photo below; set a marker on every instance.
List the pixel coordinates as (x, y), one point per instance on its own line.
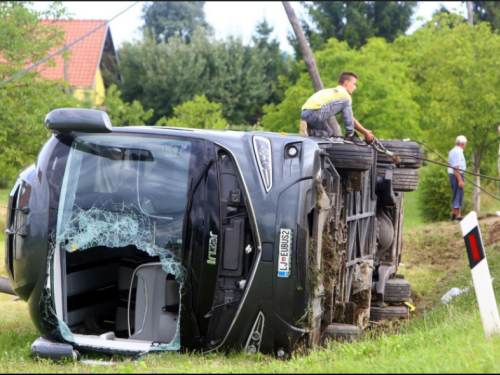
(198, 113)
(435, 194)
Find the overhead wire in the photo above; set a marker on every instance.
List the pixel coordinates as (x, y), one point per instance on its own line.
(462, 170)
(65, 47)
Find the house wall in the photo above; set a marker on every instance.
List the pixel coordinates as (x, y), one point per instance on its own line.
(85, 93)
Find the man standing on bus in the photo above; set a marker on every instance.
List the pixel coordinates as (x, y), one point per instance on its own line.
(329, 102)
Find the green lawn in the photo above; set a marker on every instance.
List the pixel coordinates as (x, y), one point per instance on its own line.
(411, 218)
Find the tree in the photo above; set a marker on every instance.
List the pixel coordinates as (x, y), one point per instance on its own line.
(26, 100)
(456, 68)
(308, 58)
(124, 114)
(487, 11)
(275, 62)
(198, 113)
(168, 18)
(357, 21)
(162, 76)
(383, 101)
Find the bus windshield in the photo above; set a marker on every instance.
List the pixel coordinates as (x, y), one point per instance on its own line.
(118, 186)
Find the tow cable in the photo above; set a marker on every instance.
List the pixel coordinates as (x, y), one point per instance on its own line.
(380, 148)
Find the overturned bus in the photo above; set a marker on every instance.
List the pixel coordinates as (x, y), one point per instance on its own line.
(138, 239)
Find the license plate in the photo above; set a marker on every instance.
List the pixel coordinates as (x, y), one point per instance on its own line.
(285, 252)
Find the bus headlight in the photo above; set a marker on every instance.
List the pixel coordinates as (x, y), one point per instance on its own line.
(262, 150)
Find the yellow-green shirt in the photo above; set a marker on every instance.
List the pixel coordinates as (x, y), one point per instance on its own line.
(318, 99)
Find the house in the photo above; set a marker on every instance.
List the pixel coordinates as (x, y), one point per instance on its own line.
(91, 60)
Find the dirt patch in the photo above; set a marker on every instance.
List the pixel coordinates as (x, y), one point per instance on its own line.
(434, 254)
(418, 303)
(386, 327)
(493, 233)
(355, 181)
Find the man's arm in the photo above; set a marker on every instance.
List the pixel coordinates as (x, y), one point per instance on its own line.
(367, 133)
(459, 177)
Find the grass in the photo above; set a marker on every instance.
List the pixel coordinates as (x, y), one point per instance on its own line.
(412, 217)
(438, 338)
(488, 204)
(4, 195)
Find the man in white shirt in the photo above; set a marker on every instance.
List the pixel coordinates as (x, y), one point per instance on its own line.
(456, 159)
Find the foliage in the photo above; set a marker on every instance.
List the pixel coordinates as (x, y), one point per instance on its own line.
(162, 76)
(26, 100)
(198, 113)
(168, 18)
(356, 21)
(276, 64)
(488, 11)
(123, 114)
(8, 173)
(434, 195)
(456, 67)
(383, 101)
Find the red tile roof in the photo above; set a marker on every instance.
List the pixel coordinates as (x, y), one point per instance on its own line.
(85, 55)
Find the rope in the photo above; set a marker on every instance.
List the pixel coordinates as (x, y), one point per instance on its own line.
(65, 47)
(445, 165)
(458, 169)
(448, 165)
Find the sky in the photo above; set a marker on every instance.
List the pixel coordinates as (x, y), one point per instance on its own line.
(226, 17)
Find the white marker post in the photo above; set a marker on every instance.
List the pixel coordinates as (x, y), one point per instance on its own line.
(480, 275)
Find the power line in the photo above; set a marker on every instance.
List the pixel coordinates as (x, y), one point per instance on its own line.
(65, 47)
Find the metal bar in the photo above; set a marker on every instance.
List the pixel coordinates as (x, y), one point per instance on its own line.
(360, 216)
(359, 260)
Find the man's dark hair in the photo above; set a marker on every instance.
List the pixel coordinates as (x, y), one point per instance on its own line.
(345, 76)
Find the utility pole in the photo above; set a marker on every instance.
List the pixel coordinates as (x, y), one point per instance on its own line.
(475, 161)
(469, 12)
(477, 181)
(308, 58)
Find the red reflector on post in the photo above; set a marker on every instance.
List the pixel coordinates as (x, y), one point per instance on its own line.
(473, 245)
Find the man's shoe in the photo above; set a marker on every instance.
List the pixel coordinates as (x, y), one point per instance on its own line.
(453, 217)
(303, 129)
(354, 139)
(458, 219)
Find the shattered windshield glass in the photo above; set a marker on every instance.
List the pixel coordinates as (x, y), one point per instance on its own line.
(115, 186)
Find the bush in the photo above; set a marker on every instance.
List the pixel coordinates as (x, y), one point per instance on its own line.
(124, 114)
(198, 113)
(8, 175)
(435, 194)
